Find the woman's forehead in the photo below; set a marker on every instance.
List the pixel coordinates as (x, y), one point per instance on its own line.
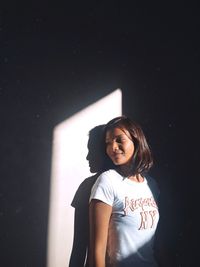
(111, 133)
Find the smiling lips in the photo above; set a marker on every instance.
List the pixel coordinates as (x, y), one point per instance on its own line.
(116, 155)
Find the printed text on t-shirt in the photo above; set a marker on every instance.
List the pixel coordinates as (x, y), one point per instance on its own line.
(147, 216)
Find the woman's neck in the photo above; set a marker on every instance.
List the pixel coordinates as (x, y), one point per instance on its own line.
(127, 170)
(137, 178)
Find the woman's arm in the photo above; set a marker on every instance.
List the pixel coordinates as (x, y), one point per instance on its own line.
(100, 213)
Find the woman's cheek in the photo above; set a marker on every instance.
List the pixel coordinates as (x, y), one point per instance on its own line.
(108, 152)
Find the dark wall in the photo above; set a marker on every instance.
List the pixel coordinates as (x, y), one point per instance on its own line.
(58, 59)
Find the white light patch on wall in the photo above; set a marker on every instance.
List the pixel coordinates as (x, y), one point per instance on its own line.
(69, 169)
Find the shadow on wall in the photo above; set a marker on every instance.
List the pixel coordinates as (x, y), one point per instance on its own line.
(80, 201)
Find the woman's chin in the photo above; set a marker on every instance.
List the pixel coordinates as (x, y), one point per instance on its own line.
(118, 162)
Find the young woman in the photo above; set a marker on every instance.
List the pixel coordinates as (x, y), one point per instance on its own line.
(123, 208)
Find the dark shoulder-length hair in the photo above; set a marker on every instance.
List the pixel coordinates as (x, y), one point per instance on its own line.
(142, 159)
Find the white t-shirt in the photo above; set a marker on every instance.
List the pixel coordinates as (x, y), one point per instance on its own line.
(133, 220)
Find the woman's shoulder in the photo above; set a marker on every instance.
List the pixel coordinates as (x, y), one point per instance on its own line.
(109, 176)
(111, 173)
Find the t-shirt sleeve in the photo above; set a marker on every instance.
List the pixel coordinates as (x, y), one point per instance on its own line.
(103, 190)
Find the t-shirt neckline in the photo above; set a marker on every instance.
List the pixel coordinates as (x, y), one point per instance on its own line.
(134, 182)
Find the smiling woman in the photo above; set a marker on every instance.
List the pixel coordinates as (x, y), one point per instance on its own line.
(123, 202)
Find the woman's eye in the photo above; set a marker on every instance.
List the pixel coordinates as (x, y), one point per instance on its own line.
(120, 140)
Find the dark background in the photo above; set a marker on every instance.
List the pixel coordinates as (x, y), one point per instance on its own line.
(55, 60)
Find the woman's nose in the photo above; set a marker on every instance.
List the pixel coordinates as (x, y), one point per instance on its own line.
(115, 146)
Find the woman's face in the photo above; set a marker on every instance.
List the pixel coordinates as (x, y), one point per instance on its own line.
(119, 146)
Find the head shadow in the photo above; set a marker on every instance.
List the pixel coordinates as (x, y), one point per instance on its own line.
(96, 149)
